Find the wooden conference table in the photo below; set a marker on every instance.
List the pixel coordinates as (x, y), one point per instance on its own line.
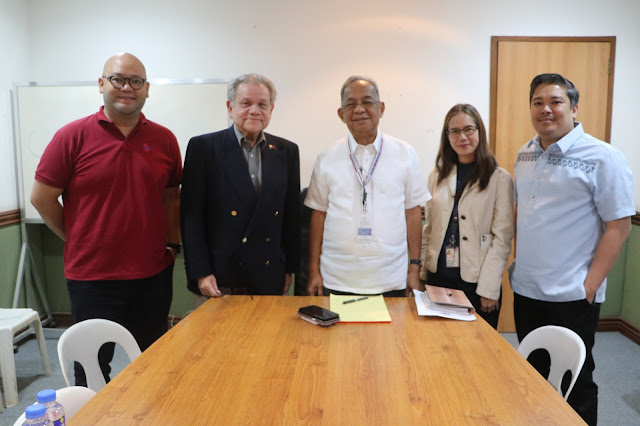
(244, 360)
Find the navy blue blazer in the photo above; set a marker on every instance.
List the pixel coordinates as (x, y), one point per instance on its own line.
(243, 238)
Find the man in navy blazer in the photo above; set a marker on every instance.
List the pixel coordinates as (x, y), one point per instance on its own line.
(240, 205)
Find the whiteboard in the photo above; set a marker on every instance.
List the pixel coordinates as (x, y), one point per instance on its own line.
(187, 108)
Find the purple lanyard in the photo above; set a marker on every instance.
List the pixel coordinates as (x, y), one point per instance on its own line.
(363, 181)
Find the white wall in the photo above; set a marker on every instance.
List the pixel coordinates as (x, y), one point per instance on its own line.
(15, 54)
(426, 55)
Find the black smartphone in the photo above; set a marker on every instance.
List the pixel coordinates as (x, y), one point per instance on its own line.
(319, 316)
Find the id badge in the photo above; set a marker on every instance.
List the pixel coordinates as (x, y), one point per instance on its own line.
(453, 256)
(364, 230)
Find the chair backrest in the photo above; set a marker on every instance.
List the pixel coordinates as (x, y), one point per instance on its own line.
(82, 341)
(566, 350)
(72, 399)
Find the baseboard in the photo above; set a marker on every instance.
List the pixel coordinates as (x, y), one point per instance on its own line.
(63, 319)
(621, 325)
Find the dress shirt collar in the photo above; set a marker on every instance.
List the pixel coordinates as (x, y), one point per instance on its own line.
(376, 143)
(240, 137)
(566, 142)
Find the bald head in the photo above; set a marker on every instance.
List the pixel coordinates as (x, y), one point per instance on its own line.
(124, 60)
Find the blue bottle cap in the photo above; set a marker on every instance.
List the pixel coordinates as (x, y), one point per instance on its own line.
(46, 395)
(35, 411)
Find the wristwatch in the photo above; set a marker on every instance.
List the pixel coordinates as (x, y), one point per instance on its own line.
(175, 246)
(415, 262)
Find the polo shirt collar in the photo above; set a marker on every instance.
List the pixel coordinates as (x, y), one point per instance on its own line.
(101, 116)
(376, 143)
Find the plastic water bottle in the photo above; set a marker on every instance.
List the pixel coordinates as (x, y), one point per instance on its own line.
(35, 415)
(55, 410)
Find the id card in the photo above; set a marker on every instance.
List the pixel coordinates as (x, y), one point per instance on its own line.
(485, 240)
(364, 230)
(453, 256)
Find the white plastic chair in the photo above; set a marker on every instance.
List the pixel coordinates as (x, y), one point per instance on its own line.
(566, 350)
(72, 399)
(82, 341)
(12, 321)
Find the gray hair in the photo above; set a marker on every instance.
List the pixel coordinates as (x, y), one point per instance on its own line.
(251, 79)
(356, 78)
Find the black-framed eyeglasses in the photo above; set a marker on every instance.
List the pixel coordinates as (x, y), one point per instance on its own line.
(365, 105)
(136, 83)
(468, 131)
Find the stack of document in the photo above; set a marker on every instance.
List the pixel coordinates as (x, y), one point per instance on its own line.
(445, 303)
(360, 308)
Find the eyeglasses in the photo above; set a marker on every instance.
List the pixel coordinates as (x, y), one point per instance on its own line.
(468, 131)
(136, 83)
(364, 104)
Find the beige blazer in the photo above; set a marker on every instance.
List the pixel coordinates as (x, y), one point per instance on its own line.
(486, 226)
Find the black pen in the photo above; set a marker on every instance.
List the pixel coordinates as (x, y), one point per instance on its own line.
(355, 300)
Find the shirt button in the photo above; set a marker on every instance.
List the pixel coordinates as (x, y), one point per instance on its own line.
(532, 196)
(277, 213)
(465, 238)
(268, 239)
(244, 240)
(266, 263)
(463, 217)
(234, 213)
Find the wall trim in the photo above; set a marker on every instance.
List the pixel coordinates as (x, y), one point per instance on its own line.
(623, 326)
(10, 217)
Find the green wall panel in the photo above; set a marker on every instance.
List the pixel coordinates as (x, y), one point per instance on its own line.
(623, 288)
(631, 293)
(615, 286)
(10, 245)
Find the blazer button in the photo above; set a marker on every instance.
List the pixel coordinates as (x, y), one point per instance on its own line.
(267, 263)
(464, 238)
(268, 239)
(244, 240)
(234, 213)
(277, 213)
(463, 217)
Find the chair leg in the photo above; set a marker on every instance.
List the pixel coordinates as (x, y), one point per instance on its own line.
(37, 328)
(8, 368)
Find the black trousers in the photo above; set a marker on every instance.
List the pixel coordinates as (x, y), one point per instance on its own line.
(579, 316)
(470, 291)
(141, 306)
(391, 293)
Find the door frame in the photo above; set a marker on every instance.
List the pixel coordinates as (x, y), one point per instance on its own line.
(493, 97)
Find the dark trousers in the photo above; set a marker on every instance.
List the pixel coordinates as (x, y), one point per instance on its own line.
(141, 306)
(469, 290)
(579, 316)
(391, 293)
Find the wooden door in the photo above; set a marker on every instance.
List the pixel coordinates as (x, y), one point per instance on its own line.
(586, 61)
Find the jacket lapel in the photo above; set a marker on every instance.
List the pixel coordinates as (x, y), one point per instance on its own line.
(235, 168)
(272, 169)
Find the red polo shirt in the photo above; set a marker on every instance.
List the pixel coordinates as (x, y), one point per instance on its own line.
(113, 188)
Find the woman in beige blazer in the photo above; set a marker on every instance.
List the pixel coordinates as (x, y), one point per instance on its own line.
(469, 221)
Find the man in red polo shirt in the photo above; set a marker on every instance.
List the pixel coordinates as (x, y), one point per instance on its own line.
(119, 176)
